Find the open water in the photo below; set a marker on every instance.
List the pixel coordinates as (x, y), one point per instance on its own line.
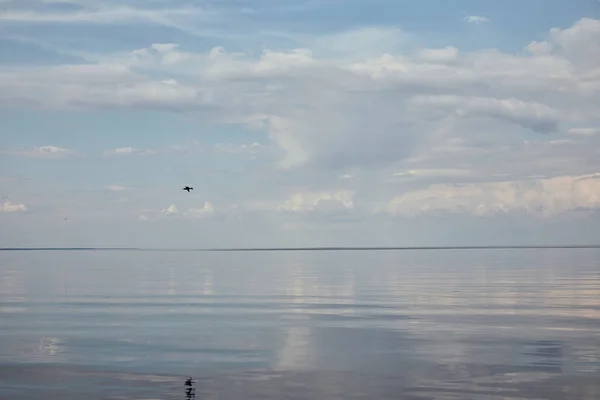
(413, 324)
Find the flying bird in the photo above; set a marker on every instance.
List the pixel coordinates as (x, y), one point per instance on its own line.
(188, 188)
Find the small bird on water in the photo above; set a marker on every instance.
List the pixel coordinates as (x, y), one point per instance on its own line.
(188, 188)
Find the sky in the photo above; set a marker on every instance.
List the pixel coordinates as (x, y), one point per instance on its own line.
(299, 123)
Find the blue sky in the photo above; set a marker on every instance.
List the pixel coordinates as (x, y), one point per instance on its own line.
(299, 123)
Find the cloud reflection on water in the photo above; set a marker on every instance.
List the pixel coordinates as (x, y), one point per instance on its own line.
(427, 324)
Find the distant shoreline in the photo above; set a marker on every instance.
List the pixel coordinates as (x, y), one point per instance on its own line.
(333, 248)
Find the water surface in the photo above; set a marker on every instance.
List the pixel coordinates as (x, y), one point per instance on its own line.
(438, 324)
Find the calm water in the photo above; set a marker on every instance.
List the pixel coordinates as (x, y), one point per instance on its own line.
(448, 324)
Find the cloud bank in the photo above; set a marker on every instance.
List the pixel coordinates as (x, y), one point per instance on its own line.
(336, 113)
(542, 197)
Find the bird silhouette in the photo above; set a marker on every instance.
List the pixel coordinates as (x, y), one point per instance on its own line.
(188, 188)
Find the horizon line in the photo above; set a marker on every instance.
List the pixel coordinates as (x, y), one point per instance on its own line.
(315, 248)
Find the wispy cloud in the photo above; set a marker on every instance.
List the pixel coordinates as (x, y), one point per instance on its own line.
(233, 148)
(171, 210)
(219, 148)
(117, 188)
(125, 151)
(318, 201)
(182, 18)
(414, 173)
(208, 210)
(41, 152)
(8, 207)
(584, 131)
(476, 19)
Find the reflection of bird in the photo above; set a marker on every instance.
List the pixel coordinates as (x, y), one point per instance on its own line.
(188, 188)
(190, 394)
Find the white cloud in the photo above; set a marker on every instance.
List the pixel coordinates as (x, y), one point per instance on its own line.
(117, 188)
(533, 115)
(319, 201)
(539, 48)
(103, 85)
(476, 19)
(122, 151)
(432, 173)
(208, 210)
(579, 43)
(542, 197)
(164, 47)
(171, 210)
(52, 150)
(41, 152)
(219, 148)
(8, 207)
(560, 141)
(232, 148)
(304, 202)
